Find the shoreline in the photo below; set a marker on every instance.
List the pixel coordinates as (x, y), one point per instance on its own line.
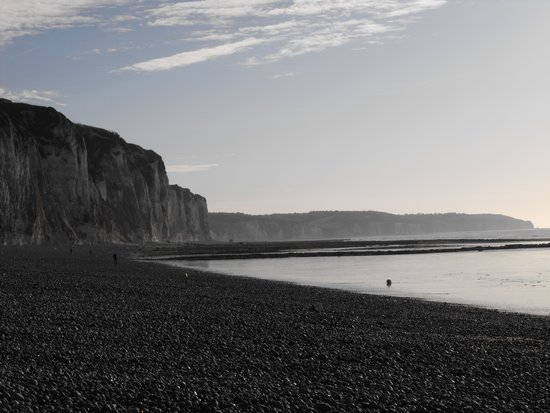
(329, 248)
(83, 334)
(218, 258)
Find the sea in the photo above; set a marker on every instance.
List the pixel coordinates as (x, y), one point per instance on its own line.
(514, 280)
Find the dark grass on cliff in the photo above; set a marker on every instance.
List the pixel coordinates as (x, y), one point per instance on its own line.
(79, 333)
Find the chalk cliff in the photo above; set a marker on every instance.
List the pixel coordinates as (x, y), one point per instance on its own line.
(346, 224)
(64, 183)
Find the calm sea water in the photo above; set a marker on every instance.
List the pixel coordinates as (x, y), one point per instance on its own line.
(512, 280)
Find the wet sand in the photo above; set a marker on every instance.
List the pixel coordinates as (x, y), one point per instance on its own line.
(79, 333)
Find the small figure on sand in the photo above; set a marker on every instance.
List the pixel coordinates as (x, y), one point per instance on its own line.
(388, 283)
(114, 258)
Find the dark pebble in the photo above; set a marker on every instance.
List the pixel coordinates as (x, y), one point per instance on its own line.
(79, 334)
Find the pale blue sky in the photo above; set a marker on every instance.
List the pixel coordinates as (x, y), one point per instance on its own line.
(261, 106)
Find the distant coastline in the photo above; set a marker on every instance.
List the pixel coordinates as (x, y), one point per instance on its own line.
(348, 224)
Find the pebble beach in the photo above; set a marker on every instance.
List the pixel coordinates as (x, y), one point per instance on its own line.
(79, 333)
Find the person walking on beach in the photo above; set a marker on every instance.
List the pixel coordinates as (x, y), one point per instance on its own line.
(114, 258)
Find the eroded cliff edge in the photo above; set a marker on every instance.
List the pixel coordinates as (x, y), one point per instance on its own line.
(62, 183)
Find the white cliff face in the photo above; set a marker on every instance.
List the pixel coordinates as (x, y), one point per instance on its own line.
(31, 170)
(61, 182)
(188, 215)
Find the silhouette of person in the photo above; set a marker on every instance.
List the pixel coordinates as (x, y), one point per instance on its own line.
(114, 258)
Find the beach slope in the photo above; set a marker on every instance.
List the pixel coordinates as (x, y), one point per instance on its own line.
(81, 333)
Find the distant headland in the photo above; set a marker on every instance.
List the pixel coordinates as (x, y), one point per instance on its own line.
(345, 224)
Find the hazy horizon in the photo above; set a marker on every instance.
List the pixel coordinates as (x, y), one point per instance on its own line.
(293, 106)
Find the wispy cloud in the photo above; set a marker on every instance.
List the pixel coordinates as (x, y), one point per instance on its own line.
(189, 168)
(188, 58)
(284, 75)
(120, 30)
(32, 96)
(294, 27)
(30, 17)
(223, 27)
(82, 54)
(124, 17)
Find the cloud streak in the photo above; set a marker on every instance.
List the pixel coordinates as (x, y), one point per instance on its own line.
(188, 58)
(189, 168)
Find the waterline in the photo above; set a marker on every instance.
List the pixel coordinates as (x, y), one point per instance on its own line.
(508, 280)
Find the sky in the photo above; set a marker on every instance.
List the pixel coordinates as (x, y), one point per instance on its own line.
(283, 106)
